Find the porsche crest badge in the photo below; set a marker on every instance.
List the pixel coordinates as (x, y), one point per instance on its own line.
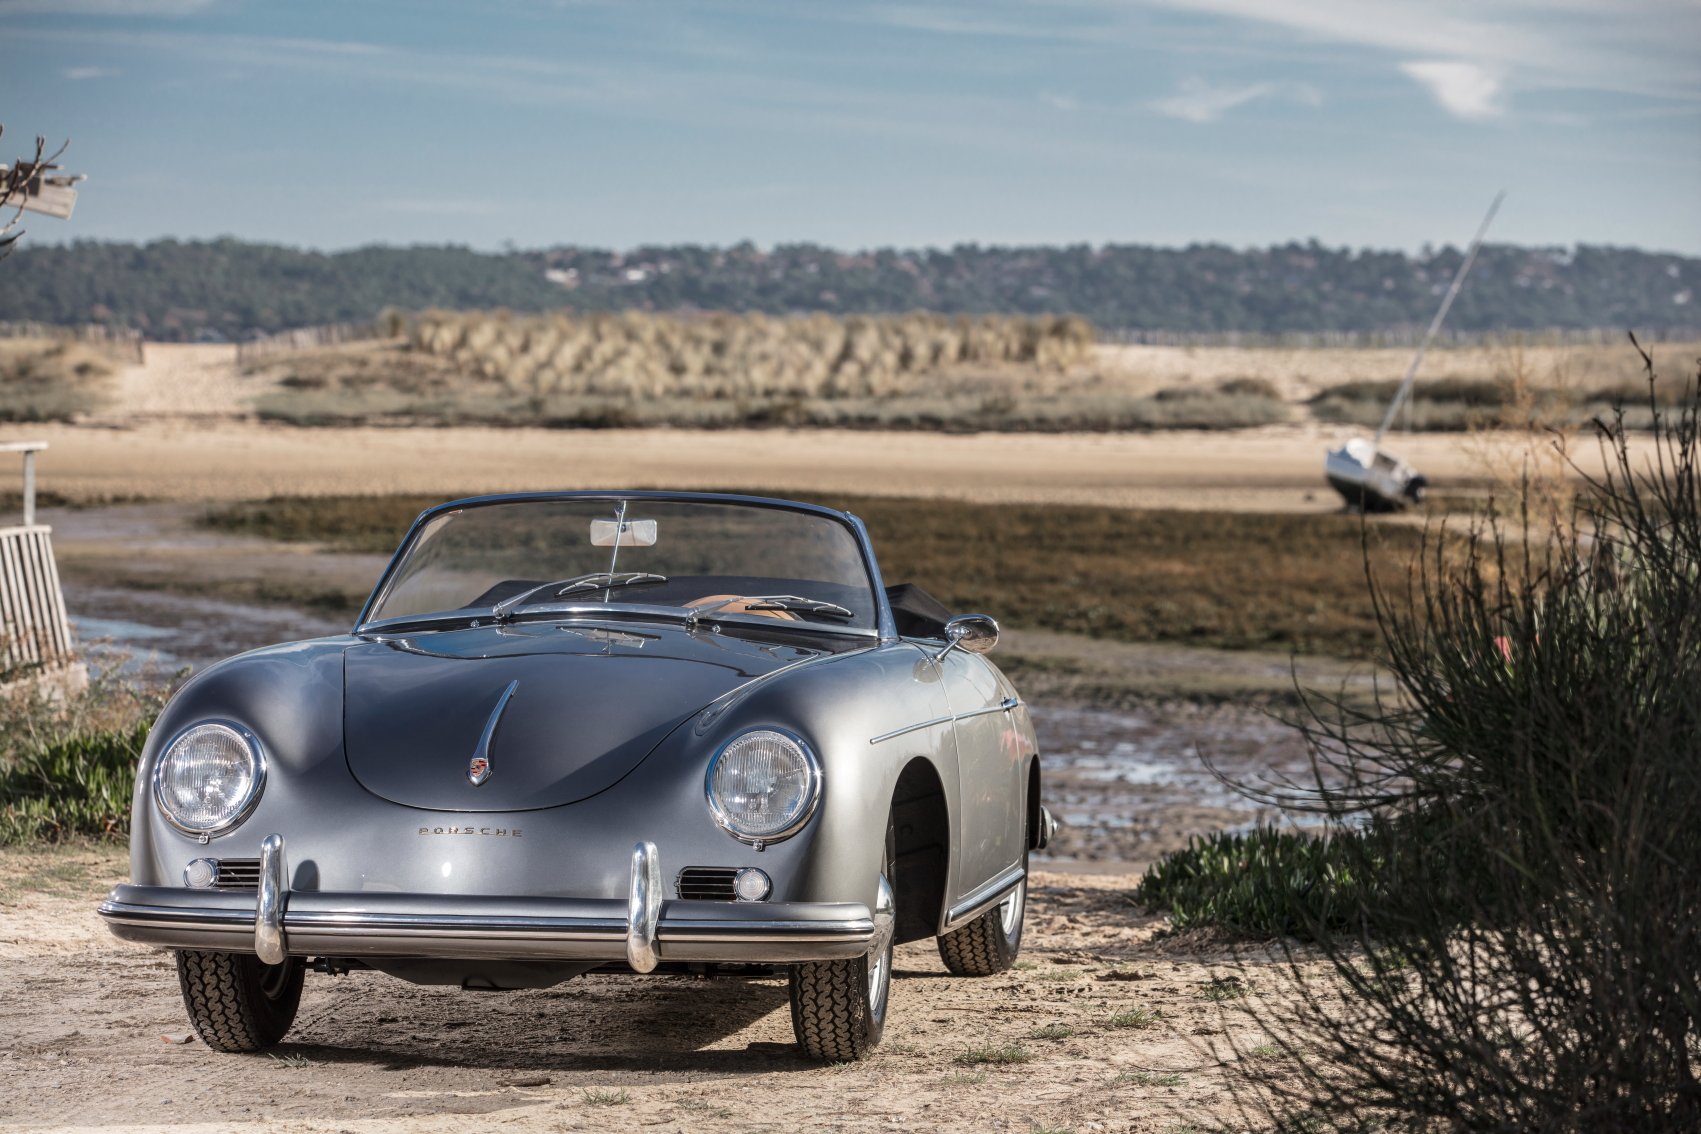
(479, 769)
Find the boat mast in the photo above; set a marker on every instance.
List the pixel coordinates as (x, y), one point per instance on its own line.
(1435, 324)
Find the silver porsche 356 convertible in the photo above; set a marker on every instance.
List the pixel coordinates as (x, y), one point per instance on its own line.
(634, 732)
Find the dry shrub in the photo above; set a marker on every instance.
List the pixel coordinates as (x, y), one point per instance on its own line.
(43, 380)
(1530, 957)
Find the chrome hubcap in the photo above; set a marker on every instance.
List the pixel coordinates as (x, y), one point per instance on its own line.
(880, 951)
(1010, 909)
(273, 980)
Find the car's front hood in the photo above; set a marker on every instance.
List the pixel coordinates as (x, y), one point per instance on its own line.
(588, 705)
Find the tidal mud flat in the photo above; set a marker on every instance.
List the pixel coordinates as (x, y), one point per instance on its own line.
(1129, 786)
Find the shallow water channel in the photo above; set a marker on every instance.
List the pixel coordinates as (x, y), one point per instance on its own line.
(1129, 785)
(165, 632)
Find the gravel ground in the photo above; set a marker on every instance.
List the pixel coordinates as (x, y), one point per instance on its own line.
(90, 1033)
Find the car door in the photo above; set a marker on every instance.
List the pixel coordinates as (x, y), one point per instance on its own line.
(991, 770)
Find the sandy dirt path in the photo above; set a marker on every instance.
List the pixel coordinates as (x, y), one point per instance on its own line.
(181, 380)
(82, 1015)
(1275, 469)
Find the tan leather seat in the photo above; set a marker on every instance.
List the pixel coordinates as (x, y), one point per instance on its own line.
(739, 605)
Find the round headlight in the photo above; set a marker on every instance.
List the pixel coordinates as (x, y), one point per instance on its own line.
(763, 785)
(208, 777)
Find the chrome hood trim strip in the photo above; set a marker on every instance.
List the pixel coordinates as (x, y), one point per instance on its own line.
(1003, 706)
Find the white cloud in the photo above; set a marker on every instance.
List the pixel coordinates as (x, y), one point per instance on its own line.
(1400, 25)
(629, 88)
(88, 72)
(1199, 101)
(1059, 101)
(1631, 46)
(1464, 90)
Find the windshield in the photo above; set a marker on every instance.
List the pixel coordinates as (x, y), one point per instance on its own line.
(720, 559)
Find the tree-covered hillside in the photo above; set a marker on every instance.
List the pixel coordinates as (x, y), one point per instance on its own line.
(230, 288)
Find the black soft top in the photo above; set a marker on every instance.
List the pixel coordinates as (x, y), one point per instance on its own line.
(917, 613)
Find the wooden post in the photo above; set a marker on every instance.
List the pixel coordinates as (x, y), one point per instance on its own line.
(29, 487)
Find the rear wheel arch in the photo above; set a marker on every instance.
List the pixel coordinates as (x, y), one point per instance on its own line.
(1033, 803)
(921, 824)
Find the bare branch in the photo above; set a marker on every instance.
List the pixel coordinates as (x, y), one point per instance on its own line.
(20, 182)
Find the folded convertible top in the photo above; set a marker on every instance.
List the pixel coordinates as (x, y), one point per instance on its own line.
(917, 613)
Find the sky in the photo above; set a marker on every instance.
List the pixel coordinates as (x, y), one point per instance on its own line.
(613, 123)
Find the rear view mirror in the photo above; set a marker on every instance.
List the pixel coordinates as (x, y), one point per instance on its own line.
(623, 533)
(973, 633)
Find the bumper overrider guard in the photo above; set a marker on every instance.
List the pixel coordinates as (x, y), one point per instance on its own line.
(642, 931)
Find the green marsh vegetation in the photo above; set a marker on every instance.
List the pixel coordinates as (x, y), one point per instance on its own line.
(68, 762)
(1215, 579)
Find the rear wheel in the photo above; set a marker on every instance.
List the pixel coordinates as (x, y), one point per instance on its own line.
(838, 1008)
(990, 942)
(237, 1003)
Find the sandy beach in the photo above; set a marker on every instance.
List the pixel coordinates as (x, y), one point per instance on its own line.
(1276, 469)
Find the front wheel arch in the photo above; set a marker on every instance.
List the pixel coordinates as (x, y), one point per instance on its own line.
(921, 823)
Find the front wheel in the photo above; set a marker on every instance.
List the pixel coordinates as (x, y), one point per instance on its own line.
(236, 1002)
(990, 942)
(838, 1008)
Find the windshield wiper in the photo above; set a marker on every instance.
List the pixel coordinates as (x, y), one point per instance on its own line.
(791, 604)
(797, 604)
(595, 581)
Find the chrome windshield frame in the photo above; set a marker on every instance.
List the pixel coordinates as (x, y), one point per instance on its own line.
(885, 624)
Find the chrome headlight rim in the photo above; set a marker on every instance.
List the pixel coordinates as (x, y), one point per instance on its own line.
(812, 770)
(256, 752)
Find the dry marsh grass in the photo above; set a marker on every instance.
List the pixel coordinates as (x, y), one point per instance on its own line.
(918, 371)
(50, 380)
(1511, 401)
(913, 372)
(1301, 373)
(637, 354)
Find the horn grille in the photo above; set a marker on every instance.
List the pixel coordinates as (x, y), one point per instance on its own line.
(707, 883)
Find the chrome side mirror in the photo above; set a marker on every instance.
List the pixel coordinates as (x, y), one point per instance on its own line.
(976, 633)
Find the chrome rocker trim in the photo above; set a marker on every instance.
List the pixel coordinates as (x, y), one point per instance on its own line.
(985, 897)
(641, 930)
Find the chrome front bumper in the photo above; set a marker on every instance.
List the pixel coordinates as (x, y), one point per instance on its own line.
(642, 931)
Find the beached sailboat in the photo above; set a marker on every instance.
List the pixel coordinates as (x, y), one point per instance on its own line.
(1369, 477)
